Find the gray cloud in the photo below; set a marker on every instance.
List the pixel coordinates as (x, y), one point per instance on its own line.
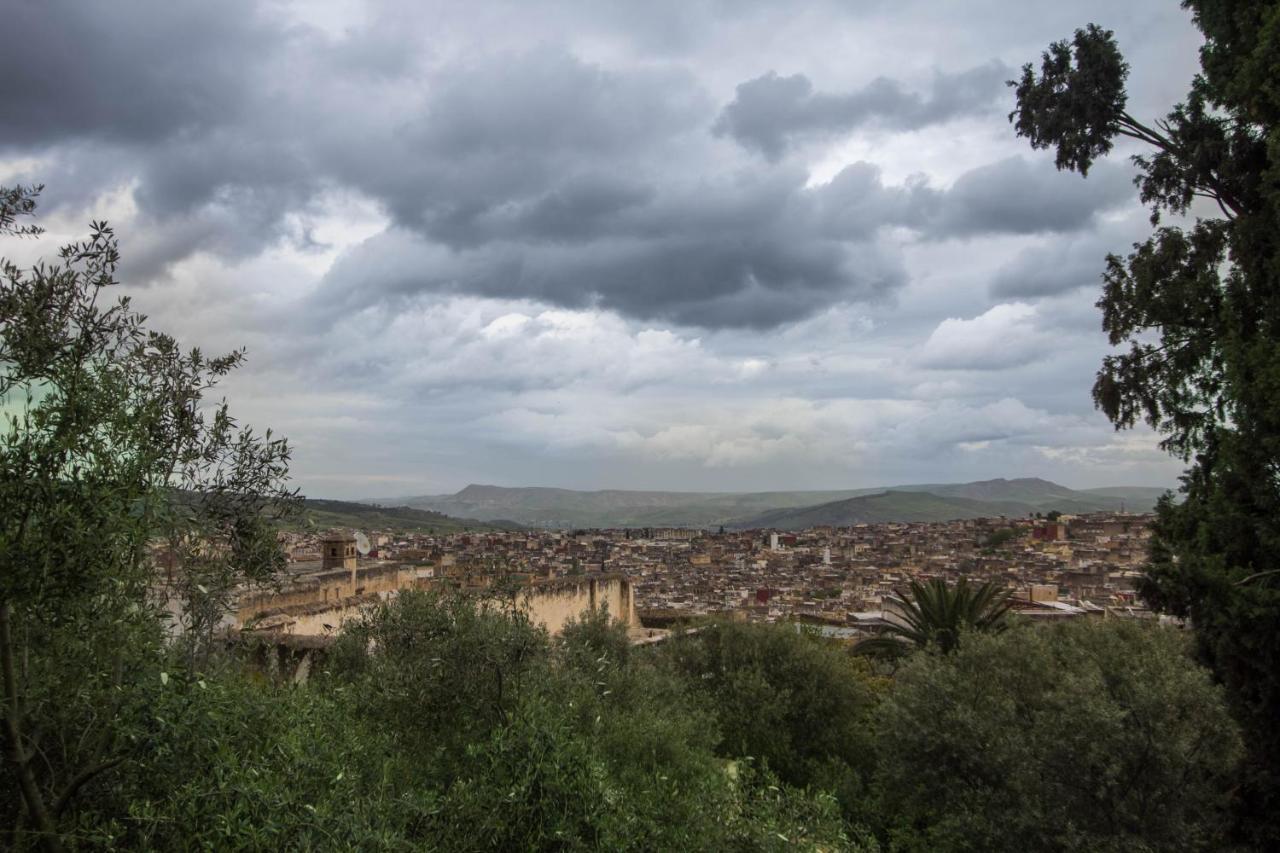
(1019, 196)
(129, 71)
(495, 234)
(1005, 336)
(754, 251)
(526, 144)
(1063, 265)
(542, 128)
(1047, 271)
(759, 279)
(770, 113)
(1013, 196)
(523, 174)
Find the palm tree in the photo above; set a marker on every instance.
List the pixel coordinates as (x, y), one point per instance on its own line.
(935, 614)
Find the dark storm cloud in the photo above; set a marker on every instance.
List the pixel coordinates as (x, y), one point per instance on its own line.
(1011, 196)
(125, 70)
(768, 114)
(1048, 271)
(1063, 265)
(757, 250)
(541, 129)
(1021, 196)
(518, 174)
(479, 168)
(746, 254)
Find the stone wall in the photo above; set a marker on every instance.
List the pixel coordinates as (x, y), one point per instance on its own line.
(320, 608)
(552, 603)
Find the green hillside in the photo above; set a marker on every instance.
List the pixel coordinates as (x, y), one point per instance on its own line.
(324, 514)
(567, 508)
(1043, 495)
(1136, 498)
(884, 507)
(546, 507)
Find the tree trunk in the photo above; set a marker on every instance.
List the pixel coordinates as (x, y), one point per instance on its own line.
(14, 752)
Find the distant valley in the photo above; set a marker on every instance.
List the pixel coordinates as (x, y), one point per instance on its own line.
(549, 507)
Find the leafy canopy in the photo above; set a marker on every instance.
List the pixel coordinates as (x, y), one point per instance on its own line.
(1078, 736)
(108, 446)
(1196, 311)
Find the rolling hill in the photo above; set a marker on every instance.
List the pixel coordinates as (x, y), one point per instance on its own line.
(546, 507)
(1133, 496)
(883, 507)
(324, 514)
(567, 508)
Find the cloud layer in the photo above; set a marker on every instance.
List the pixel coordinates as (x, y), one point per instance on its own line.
(713, 245)
(771, 113)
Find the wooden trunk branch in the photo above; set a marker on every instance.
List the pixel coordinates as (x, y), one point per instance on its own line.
(15, 753)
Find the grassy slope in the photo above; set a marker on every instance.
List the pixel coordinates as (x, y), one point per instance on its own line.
(884, 507)
(616, 508)
(324, 514)
(1032, 491)
(1136, 498)
(619, 508)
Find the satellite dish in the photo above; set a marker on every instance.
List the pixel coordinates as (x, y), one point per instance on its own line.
(362, 544)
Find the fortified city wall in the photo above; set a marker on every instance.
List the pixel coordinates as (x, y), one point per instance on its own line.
(320, 606)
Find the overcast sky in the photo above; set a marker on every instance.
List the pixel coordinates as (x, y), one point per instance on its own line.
(673, 244)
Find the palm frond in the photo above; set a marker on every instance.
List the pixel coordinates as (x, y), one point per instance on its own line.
(935, 614)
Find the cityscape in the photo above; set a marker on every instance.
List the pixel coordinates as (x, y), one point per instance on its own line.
(842, 579)
(567, 426)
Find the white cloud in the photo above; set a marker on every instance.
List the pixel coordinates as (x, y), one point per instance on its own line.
(1004, 336)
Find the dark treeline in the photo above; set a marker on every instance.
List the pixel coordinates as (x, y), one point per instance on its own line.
(1194, 311)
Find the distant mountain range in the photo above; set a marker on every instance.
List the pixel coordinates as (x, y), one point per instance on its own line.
(324, 514)
(545, 507)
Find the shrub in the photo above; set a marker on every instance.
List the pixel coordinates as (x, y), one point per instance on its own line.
(1080, 736)
(790, 700)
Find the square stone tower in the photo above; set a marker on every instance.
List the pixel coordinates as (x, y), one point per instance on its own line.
(338, 550)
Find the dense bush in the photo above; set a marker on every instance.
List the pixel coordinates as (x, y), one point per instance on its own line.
(530, 745)
(439, 672)
(788, 699)
(438, 723)
(1079, 736)
(233, 763)
(441, 723)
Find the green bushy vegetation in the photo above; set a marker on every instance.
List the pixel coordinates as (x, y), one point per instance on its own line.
(792, 702)
(438, 722)
(1000, 538)
(443, 722)
(1075, 736)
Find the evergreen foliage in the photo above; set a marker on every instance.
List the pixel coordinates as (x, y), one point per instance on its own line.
(797, 704)
(102, 422)
(1198, 307)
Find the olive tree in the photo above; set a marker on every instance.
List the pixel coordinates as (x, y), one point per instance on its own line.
(108, 448)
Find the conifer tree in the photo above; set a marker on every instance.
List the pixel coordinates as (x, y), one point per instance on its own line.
(1197, 308)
